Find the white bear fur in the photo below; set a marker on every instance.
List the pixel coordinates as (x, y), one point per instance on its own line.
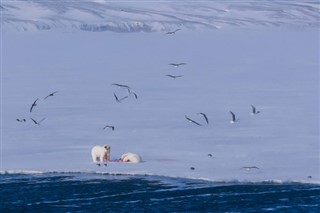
(131, 158)
(100, 153)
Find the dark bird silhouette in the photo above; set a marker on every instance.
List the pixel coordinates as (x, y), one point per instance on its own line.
(121, 85)
(192, 168)
(33, 104)
(37, 122)
(21, 120)
(233, 118)
(193, 121)
(172, 32)
(205, 117)
(121, 99)
(51, 94)
(177, 64)
(254, 111)
(104, 164)
(210, 155)
(108, 126)
(174, 76)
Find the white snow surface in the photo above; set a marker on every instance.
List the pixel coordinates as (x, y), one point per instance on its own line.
(264, 54)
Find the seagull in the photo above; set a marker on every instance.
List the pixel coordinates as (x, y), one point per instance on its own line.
(34, 104)
(193, 121)
(108, 126)
(177, 64)
(121, 99)
(254, 111)
(174, 76)
(121, 85)
(172, 32)
(205, 117)
(50, 95)
(21, 120)
(233, 118)
(37, 122)
(248, 168)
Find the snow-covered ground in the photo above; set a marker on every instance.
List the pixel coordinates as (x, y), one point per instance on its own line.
(263, 54)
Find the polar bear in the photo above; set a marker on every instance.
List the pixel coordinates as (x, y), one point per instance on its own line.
(131, 157)
(100, 153)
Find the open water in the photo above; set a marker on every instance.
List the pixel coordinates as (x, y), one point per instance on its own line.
(78, 192)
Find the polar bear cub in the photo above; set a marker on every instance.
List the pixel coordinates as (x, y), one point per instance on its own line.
(131, 157)
(100, 153)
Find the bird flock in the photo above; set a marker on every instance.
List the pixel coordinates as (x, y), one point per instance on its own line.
(130, 93)
(33, 107)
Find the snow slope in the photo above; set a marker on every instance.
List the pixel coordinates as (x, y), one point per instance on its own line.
(151, 16)
(274, 67)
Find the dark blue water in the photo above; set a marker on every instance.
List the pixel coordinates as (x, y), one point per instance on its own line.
(111, 193)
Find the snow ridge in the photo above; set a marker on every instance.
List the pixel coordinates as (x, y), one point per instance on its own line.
(129, 16)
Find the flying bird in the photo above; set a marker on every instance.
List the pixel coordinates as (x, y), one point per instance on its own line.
(172, 32)
(121, 99)
(108, 126)
(34, 104)
(248, 168)
(21, 120)
(174, 76)
(37, 122)
(210, 155)
(233, 118)
(254, 111)
(51, 94)
(193, 121)
(177, 64)
(205, 117)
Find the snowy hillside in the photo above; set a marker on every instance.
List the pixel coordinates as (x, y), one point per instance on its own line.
(151, 16)
(264, 54)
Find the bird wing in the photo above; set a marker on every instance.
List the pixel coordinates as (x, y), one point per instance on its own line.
(233, 116)
(41, 120)
(135, 95)
(192, 121)
(121, 85)
(51, 94)
(116, 97)
(31, 107)
(123, 98)
(34, 121)
(205, 117)
(253, 108)
(33, 104)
